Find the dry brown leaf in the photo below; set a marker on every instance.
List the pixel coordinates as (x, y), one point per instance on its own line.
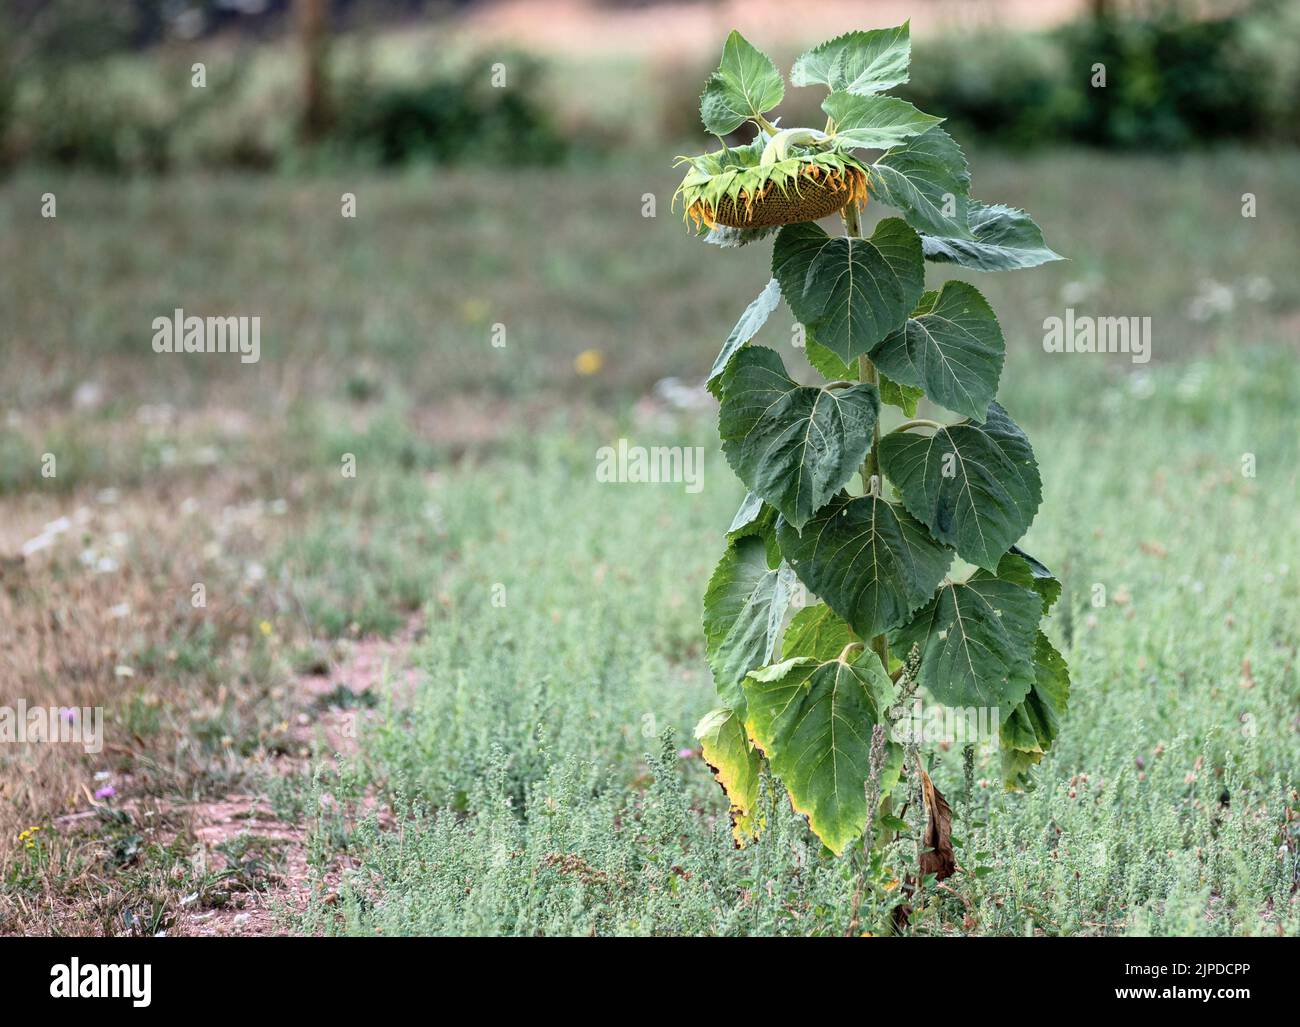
(938, 857)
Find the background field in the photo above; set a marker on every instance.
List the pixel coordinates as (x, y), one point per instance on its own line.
(355, 736)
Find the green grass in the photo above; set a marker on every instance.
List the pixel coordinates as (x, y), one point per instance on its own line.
(404, 298)
(1168, 806)
(529, 773)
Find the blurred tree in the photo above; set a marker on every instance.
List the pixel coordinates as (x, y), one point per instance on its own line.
(313, 32)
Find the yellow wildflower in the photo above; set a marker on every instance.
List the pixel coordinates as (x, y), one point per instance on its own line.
(589, 361)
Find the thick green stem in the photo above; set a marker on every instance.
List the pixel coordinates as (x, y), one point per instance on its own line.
(872, 483)
(778, 147)
(871, 466)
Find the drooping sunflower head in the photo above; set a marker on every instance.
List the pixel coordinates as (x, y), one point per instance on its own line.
(759, 186)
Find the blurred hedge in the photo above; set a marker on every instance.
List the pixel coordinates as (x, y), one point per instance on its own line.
(1171, 82)
(439, 118)
(126, 114)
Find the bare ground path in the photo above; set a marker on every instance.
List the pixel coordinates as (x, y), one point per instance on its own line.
(218, 825)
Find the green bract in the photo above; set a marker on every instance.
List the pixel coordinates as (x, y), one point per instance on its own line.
(741, 188)
(869, 519)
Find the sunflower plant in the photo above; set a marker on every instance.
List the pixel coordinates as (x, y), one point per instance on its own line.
(903, 539)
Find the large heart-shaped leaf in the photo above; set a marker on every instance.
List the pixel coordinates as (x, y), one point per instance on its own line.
(794, 445)
(754, 317)
(815, 631)
(745, 86)
(928, 179)
(905, 397)
(736, 764)
(951, 347)
(975, 486)
(868, 559)
(977, 641)
(858, 62)
(813, 720)
(875, 122)
(1023, 569)
(850, 292)
(744, 608)
(1001, 239)
(1032, 725)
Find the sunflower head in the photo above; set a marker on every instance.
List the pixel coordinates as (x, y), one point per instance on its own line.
(745, 187)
